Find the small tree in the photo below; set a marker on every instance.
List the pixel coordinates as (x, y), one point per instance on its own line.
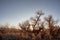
(36, 22)
(25, 26)
(50, 22)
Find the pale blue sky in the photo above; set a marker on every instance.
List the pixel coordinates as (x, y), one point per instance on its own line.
(15, 11)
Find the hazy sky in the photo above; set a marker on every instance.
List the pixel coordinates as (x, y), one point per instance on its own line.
(15, 11)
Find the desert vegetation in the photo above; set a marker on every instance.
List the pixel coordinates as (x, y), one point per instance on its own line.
(37, 32)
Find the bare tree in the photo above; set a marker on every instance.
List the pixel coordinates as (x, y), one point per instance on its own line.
(25, 25)
(50, 22)
(36, 22)
(37, 19)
